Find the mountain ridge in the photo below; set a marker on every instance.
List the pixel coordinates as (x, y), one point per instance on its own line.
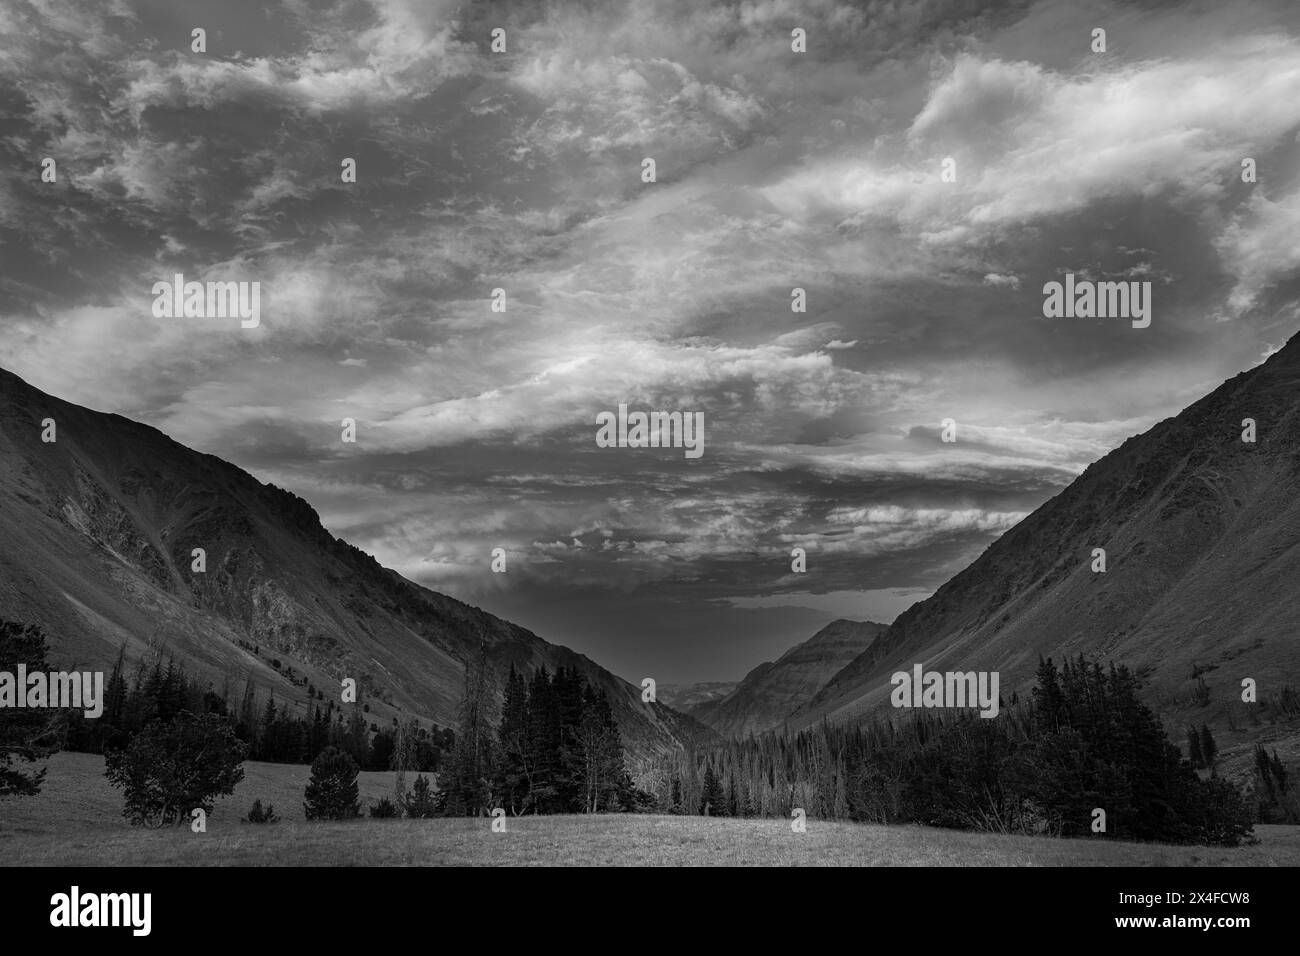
(275, 580)
(1200, 530)
(762, 700)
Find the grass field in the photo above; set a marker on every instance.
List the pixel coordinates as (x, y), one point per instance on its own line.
(77, 820)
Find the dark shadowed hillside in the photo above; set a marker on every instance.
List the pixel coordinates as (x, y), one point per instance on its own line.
(773, 689)
(97, 531)
(1202, 538)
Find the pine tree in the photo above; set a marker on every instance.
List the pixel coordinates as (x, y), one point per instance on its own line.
(1194, 748)
(421, 802)
(543, 752)
(403, 758)
(1279, 772)
(115, 692)
(267, 737)
(1048, 695)
(711, 796)
(26, 734)
(469, 792)
(246, 726)
(331, 792)
(514, 775)
(1209, 749)
(356, 737)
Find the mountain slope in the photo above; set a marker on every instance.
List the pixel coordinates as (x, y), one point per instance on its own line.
(773, 689)
(686, 697)
(1202, 538)
(97, 531)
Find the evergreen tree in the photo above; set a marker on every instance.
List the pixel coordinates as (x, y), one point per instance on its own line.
(26, 734)
(331, 792)
(711, 796)
(514, 777)
(1209, 749)
(469, 777)
(246, 726)
(403, 758)
(421, 802)
(1194, 754)
(543, 744)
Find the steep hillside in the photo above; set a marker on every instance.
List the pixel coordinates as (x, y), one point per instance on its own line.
(686, 697)
(772, 690)
(1202, 538)
(97, 531)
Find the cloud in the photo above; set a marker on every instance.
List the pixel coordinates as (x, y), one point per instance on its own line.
(1259, 246)
(521, 171)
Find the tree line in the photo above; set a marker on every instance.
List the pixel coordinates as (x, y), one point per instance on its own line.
(556, 748)
(1084, 742)
(274, 732)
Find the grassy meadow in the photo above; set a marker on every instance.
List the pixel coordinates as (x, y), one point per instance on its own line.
(76, 820)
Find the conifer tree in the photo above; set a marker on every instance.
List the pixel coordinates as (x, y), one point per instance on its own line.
(1209, 749)
(711, 796)
(26, 734)
(403, 758)
(331, 792)
(469, 787)
(514, 777)
(1194, 748)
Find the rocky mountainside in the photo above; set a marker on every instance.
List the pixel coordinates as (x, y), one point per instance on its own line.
(97, 534)
(686, 697)
(772, 690)
(1201, 533)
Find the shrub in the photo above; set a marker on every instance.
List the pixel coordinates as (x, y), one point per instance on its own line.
(257, 815)
(331, 792)
(422, 802)
(173, 767)
(384, 809)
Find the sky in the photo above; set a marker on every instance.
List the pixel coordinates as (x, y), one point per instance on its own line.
(522, 170)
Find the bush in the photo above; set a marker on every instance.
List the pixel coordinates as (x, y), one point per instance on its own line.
(331, 793)
(173, 767)
(257, 815)
(385, 809)
(422, 802)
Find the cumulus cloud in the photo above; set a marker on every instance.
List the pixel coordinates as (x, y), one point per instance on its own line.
(522, 172)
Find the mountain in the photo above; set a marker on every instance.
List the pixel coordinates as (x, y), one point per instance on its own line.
(97, 534)
(773, 689)
(1201, 532)
(686, 697)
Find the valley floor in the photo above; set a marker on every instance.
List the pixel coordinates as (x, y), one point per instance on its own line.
(76, 820)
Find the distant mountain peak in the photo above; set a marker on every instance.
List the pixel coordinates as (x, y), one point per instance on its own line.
(773, 689)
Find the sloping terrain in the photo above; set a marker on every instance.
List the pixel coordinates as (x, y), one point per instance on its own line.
(687, 697)
(97, 531)
(1202, 538)
(773, 689)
